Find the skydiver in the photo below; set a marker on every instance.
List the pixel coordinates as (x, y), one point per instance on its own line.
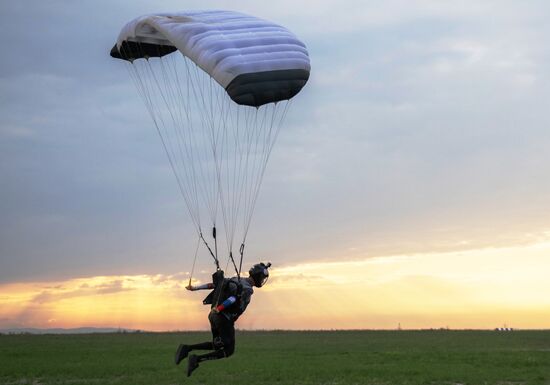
(228, 299)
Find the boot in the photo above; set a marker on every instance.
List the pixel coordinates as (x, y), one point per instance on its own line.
(192, 364)
(181, 353)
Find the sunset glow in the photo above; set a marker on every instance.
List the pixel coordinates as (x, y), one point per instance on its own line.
(472, 289)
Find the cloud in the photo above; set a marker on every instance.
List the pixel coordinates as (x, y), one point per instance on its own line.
(112, 287)
(18, 131)
(59, 292)
(102, 300)
(295, 279)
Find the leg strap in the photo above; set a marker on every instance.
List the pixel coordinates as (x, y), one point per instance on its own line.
(218, 343)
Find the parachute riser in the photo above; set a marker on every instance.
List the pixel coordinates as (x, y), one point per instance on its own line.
(241, 252)
(215, 243)
(211, 252)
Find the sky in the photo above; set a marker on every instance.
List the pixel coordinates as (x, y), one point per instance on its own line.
(408, 186)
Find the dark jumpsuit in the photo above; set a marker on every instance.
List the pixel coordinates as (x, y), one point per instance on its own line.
(222, 324)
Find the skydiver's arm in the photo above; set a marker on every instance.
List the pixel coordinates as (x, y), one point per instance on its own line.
(206, 286)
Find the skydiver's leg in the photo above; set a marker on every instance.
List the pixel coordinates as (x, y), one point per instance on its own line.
(184, 350)
(227, 335)
(223, 332)
(215, 355)
(223, 342)
(202, 346)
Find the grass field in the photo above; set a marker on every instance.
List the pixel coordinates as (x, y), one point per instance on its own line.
(335, 358)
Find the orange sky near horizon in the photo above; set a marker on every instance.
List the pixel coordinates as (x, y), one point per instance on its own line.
(483, 288)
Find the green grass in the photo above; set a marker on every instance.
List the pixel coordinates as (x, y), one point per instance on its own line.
(297, 358)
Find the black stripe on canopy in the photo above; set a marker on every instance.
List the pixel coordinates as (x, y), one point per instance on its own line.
(131, 50)
(259, 88)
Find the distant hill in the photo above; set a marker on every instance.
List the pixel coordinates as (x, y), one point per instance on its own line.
(83, 330)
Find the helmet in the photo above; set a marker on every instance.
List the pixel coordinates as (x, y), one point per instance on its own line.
(259, 273)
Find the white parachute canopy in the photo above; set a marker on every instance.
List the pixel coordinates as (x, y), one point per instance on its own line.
(217, 85)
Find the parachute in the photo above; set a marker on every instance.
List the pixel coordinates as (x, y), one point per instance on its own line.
(218, 85)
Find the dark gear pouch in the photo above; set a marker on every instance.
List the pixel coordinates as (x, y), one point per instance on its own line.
(214, 295)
